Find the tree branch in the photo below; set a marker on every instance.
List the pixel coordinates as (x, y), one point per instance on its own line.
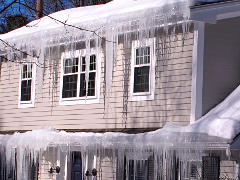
(69, 25)
(16, 49)
(4, 9)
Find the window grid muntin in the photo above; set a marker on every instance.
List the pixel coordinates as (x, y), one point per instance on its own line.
(142, 56)
(141, 61)
(82, 70)
(26, 83)
(71, 65)
(70, 69)
(91, 82)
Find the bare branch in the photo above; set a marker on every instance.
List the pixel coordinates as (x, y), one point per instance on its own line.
(70, 25)
(4, 9)
(16, 49)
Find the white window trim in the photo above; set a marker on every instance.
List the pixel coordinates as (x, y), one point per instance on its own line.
(144, 95)
(31, 103)
(81, 100)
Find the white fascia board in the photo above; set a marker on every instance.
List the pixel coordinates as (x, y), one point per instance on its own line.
(197, 72)
(210, 13)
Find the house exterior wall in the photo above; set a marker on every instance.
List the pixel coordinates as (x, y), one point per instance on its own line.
(221, 67)
(228, 169)
(171, 101)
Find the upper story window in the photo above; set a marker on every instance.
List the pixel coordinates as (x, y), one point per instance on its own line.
(27, 85)
(143, 70)
(75, 69)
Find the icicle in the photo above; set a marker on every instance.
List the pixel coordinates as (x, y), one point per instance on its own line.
(109, 58)
(88, 54)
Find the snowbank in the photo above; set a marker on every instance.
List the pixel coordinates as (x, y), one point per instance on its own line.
(222, 121)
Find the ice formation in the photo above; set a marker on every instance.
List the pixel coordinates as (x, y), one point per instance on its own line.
(46, 38)
(185, 147)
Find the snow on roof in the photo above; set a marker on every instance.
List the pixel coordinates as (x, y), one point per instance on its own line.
(222, 121)
(92, 14)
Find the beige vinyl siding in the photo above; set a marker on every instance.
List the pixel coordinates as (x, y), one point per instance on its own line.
(228, 169)
(171, 102)
(107, 168)
(47, 160)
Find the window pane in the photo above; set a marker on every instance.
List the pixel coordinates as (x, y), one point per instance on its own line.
(137, 52)
(146, 51)
(146, 59)
(140, 51)
(142, 55)
(141, 79)
(26, 90)
(137, 61)
(82, 85)
(83, 64)
(91, 84)
(69, 86)
(29, 70)
(71, 65)
(141, 59)
(24, 71)
(92, 62)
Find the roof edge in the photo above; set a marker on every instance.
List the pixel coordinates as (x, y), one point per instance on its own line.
(211, 13)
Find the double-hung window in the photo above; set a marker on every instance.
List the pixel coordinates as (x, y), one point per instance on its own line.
(143, 70)
(75, 71)
(26, 89)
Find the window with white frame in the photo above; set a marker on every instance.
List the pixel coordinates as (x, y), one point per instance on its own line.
(74, 71)
(26, 89)
(143, 70)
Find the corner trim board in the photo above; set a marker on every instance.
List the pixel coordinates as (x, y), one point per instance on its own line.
(197, 72)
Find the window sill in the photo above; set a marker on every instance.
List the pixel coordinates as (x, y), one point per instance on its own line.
(142, 97)
(25, 105)
(74, 101)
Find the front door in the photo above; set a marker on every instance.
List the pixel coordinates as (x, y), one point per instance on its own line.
(76, 166)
